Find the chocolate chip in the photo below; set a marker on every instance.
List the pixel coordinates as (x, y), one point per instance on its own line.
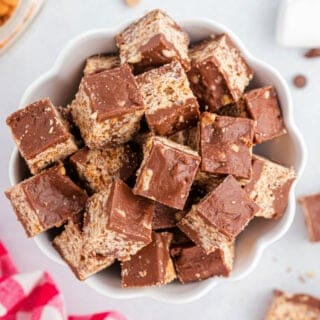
(313, 53)
(300, 81)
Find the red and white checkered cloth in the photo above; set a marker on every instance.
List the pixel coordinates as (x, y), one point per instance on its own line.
(34, 296)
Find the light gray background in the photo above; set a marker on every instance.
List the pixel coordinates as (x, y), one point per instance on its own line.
(254, 21)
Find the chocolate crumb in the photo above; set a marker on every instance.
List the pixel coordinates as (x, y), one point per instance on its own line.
(289, 269)
(300, 81)
(313, 53)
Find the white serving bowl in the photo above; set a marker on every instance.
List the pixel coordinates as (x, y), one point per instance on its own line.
(60, 84)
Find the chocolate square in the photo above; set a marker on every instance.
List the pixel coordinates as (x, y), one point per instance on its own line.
(46, 200)
(40, 135)
(153, 40)
(129, 214)
(98, 168)
(263, 107)
(170, 103)
(220, 216)
(108, 107)
(226, 145)
(293, 306)
(167, 172)
(311, 210)
(151, 266)
(193, 264)
(118, 221)
(269, 187)
(206, 81)
(219, 74)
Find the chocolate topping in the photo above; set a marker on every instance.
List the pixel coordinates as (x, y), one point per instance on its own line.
(208, 84)
(193, 264)
(128, 213)
(228, 208)
(264, 108)
(113, 92)
(53, 196)
(226, 145)
(167, 174)
(37, 128)
(149, 266)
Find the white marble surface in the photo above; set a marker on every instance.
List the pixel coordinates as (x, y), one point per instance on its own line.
(253, 21)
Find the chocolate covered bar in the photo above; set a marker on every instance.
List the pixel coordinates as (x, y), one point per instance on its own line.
(269, 187)
(151, 266)
(226, 145)
(311, 210)
(220, 216)
(41, 135)
(108, 107)
(153, 40)
(46, 200)
(262, 106)
(117, 222)
(166, 172)
(293, 307)
(193, 264)
(218, 74)
(169, 101)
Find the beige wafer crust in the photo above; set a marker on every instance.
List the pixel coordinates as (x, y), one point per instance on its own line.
(70, 245)
(101, 62)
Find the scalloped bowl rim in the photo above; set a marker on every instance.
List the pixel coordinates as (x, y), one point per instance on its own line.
(264, 242)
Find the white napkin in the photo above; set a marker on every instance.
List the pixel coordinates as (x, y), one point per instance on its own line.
(298, 23)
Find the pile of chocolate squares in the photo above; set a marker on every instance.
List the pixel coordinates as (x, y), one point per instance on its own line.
(151, 164)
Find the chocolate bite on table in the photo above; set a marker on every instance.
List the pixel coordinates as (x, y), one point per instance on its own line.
(218, 74)
(153, 40)
(82, 260)
(41, 135)
(166, 172)
(193, 264)
(169, 102)
(98, 168)
(46, 200)
(220, 216)
(151, 266)
(108, 107)
(118, 221)
(269, 187)
(263, 107)
(101, 62)
(293, 307)
(311, 210)
(226, 145)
